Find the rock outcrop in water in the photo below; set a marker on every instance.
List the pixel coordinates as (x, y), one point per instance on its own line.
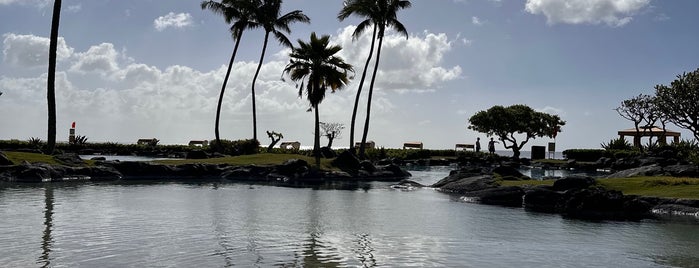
(574, 197)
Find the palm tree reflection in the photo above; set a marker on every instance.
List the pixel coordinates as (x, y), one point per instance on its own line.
(47, 239)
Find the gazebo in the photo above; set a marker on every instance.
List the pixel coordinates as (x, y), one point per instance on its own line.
(651, 131)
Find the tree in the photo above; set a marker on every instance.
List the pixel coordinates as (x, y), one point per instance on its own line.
(332, 131)
(268, 16)
(51, 80)
(679, 102)
(639, 109)
(505, 122)
(275, 137)
(315, 65)
(384, 16)
(368, 10)
(238, 13)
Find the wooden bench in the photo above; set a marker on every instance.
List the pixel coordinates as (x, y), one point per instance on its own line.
(198, 143)
(290, 145)
(152, 141)
(367, 145)
(412, 145)
(464, 147)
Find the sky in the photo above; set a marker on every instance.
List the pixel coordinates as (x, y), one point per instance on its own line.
(131, 69)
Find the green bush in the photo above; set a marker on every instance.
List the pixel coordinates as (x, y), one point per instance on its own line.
(616, 154)
(587, 155)
(237, 147)
(617, 144)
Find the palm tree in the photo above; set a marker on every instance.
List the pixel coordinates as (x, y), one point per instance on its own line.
(238, 13)
(385, 17)
(268, 16)
(51, 80)
(316, 66)
(367, 9)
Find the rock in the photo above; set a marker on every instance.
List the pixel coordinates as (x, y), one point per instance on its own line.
(676, 210)
(4, 161)
(572, 163)
(509, 173)
(70, 159)
(469, 184)
(639, 171)
(459, 174)
(625, 163)
(346, 161)
(542, 199)
(682, 170)
(368, 166)
(603, 162)
(99, 158)
(510, 196)
(600, 204)
(197, 154)
(145, 170)
(395, 171)
(34, 173)
(572, 182)
(327, 152)
(292, 168)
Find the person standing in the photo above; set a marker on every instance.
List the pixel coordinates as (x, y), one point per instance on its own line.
(478, 144)
(491, 146)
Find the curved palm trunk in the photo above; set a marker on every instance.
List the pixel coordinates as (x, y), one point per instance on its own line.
(51, 80)
(316, 139)
(223, 89)
(254, 80)
(359, 90)
(362, 148)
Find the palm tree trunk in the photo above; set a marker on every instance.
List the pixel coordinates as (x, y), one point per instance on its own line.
(359, 90)
(51, 80)
(362, 148)
(254, 80)
(223, 89)
(316, 142)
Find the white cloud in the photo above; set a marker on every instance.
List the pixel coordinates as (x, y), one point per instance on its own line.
(38, 3)
(173, 20)
(31, 51)
(413, 64)
(614, 13)
(552, 110)
(100, 59)
(476, 21)
(74, 8)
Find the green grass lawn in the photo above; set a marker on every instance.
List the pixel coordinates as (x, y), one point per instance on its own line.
(669, 187)
(18, 157)
(261, 159)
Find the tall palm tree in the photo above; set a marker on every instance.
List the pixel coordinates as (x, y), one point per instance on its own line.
(238, 13)
(315, 65)
(385, 17)
(51, 80)
(268, 16)
(368, 10)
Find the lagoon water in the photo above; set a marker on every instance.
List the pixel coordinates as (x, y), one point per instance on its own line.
(85, 224)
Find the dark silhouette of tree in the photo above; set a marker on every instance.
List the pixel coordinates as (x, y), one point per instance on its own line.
(385, 16)
(275, 137)
(366, 9)
(332, 131)
(679, 101)
(315, 65)
(51, 80)
(268, 16)
(505, 122)
(238, 13)
(637, 110)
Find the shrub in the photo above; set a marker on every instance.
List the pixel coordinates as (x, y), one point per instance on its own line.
(238, 147)
(587, 155)
(617, 144)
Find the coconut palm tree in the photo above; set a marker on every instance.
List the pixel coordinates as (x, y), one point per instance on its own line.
(238, 13)
(268, 16)
(368, 10)
(51, 80)
(385, 17)
(315, 65)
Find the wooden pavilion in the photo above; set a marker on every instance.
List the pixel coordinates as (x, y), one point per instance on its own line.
(651, 131)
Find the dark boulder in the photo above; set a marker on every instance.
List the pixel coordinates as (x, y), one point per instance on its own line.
(99, 158)
(682, 171)
(572, 182)
(4, 161)
(509, 173)
(368, 166)
(601, 204)
(468, 184)
(543, 199)
(70, 159)
(651, 170)
(197, 154)
(464, 172)
(604, 162)
(327, 152)
(136, 170)
(292, 168)
(346, 161)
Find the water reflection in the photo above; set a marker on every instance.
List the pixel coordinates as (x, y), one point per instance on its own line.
(364, 250)
(47, 239)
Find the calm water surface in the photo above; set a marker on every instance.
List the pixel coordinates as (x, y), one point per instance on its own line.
(220, 225)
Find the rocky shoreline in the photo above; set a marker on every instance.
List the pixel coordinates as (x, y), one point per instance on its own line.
(574, 197)
(291, 171)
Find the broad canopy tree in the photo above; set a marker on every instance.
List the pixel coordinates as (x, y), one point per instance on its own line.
(679, 102)
(505, 122)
